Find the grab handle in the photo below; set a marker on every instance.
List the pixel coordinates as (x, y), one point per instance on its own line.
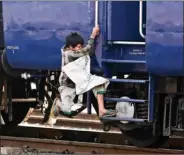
(96, 12)
(141, 18)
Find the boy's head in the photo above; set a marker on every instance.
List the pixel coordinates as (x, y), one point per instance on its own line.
(74, 41)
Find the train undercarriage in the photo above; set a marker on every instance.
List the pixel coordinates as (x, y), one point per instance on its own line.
(19, 94)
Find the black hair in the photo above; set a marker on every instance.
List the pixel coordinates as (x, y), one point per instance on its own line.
(73, 39)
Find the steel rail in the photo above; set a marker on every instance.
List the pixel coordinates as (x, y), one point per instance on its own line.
(80, 147)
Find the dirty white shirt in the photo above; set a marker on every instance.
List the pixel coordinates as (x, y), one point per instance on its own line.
(79, 72)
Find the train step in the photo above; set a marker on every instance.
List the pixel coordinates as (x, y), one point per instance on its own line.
(123, 61)
(81, 122)
(122, 119)
(124, 100)
(149, 101)
(128, 80)
(24, 100)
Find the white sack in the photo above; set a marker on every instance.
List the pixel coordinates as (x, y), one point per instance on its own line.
(79, 72)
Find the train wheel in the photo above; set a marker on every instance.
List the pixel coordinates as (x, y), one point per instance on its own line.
(141, 137)
(19, 112)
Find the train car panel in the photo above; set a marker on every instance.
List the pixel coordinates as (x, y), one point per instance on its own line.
(35, 31)
(164, 38)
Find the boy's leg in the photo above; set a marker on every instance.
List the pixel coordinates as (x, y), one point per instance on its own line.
(68, 107)
(64, 104)
(67, 96)
(99, 92)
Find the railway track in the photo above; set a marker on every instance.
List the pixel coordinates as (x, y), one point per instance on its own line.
(46, 145)
(83, 127)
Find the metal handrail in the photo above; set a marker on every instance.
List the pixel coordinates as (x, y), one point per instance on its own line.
(140, 18)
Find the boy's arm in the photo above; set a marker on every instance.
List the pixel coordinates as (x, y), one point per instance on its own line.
(88, 49)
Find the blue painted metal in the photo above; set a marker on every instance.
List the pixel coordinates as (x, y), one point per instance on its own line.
(132, 58)
(151, 103)
(164, 38)
(123, 119)
(128, 80)
(124, 100)
(123, 20)
(123, 61)
(41, 31)
(35, 31)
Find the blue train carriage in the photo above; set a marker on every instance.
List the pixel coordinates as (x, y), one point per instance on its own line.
(140, 50)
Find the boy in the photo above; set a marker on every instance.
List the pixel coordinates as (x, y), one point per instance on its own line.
(73, 50)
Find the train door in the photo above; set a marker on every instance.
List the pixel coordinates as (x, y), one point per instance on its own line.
(126, 21)
(126, 27)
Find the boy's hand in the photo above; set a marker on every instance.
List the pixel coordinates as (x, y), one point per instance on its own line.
(95, 31)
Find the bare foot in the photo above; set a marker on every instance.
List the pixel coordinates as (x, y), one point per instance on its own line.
(102, 112)
(51, 121)
(56, 107)
(54, 112)
(106, 112)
